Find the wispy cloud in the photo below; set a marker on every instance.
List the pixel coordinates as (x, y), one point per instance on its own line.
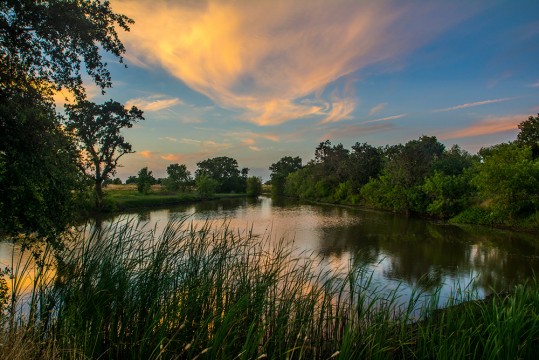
(388, 118)
(153, 103)
(264, 57)
(477, 103)
(487, 126)
(376, 109)
(250, 134)
(356, 130)
(171, 139)
(535, 84)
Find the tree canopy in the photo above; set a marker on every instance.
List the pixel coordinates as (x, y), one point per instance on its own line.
(97, 132)
(46, 46)
(224, 170)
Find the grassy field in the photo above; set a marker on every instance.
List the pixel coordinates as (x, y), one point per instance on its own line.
(213, 294)
(125, 197)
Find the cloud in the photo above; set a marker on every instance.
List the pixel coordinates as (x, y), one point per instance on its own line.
(173, 157)
(153, 103)
(264, 57)
(535, 84)
(250, 134)
(355, 130)
(478, 103)
(171, 139)
(487, 126)
(376, 109)
(385, 118)
(147, 154)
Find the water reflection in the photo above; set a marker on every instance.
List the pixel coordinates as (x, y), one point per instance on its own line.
(421, 254)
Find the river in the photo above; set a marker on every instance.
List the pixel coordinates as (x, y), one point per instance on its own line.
(404, 252)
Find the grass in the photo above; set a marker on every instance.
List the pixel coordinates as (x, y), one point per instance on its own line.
(126, 197)
(125, 292)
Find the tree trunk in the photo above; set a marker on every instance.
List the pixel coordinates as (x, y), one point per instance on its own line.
(99, 194)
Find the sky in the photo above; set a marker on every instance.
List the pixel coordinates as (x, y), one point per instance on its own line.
(258, 80)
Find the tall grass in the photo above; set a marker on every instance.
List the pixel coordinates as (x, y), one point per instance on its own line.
(126, 292)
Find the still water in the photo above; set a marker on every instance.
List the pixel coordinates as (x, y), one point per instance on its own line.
(398, 252)
(408, 253)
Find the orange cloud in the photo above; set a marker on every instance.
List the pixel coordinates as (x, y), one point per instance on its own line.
(173, 157)
(147, 154)
(487, 127)
(264, 57)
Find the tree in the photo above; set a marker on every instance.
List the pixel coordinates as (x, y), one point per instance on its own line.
(254, 186)
(365, 162)
(96, 129)
(225, 171)
(280, 171)
(43, 47)
(39, 180)
(508, 179)
(179, 178)
(145, 180)
(529, 134)
(206, 186)
(49, 42)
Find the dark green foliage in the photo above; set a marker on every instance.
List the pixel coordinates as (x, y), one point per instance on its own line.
(43, 47)
(529, 134)
(49, 42)
(224, 170)
(39, 179)
(365, 162)
(279, 172)
(508, 178)
(179, 178)
(131, 180)
(206, 186)
(254, 186)
(145, 180)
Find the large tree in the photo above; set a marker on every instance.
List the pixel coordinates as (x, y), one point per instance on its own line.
(225, 171)
(280, 170)
(97, 129)
(179, 178)
(46, 46)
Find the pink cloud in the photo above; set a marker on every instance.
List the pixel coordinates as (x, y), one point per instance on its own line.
(487, 126)
(376, 109)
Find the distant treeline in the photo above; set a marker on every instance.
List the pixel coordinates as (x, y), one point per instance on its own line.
(498, 186)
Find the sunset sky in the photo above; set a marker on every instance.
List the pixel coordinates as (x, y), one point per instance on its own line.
(259, 80)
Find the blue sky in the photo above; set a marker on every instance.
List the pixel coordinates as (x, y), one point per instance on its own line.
(259, 80)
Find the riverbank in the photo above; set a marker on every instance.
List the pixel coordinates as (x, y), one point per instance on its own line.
(120, 198)
(199, 293)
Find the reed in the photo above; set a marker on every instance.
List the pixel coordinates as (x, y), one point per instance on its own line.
(207, 292)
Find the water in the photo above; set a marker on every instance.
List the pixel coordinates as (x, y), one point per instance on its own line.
(407, 253)
(410, 253)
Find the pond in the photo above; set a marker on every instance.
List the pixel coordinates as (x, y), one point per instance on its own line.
(397, 251)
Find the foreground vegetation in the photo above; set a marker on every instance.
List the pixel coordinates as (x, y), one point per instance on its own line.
(124, 292)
